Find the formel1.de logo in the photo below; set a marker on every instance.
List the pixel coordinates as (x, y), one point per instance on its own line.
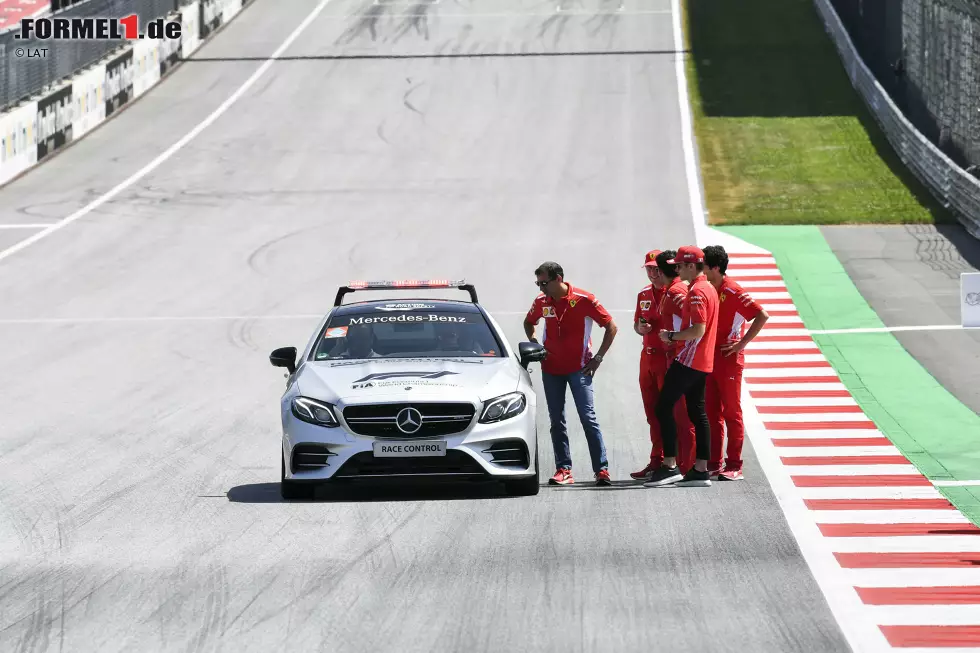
(96, 29)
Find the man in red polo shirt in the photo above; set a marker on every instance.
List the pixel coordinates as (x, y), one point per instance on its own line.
(724, 388)
(657, 307)
(569, 313)
(688, 373)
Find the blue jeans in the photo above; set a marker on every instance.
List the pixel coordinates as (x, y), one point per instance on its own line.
(554, 392)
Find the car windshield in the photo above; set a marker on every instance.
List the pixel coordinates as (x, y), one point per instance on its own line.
(415, 331)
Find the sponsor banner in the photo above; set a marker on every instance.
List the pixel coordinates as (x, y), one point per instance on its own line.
(54, 115)
(404, 306)
(18, 141)
(190, 20)
(970, 298)
(118, 81)
(401, 361)
(169, 52)
(146, 66)
(229, 9)
(397, 379)
(405, 317)
(88, 101)
(210, 17)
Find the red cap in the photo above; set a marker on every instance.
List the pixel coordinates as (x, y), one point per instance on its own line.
(651, 257)
(688, 254)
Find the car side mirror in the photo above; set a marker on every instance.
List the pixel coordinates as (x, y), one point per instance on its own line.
(531, 352)
(284, 357)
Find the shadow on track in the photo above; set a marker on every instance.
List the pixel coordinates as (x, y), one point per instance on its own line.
(356, 493)
(360, 493)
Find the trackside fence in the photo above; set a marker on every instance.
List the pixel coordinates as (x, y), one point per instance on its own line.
(958, 190)
(53, 100)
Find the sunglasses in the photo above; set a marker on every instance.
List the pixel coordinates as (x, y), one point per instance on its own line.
(542, 284)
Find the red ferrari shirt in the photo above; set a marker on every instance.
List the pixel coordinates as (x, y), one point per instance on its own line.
(568, 328)
(672, 312)
(700, 307)
(735, 308)
(648, 307)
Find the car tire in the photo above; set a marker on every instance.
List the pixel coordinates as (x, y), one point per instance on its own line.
(290, 490)
(525, 487)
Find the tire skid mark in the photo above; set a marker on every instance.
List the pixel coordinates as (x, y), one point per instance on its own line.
(329, 579)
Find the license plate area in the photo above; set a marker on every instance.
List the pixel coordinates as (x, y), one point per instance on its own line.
(410, 449)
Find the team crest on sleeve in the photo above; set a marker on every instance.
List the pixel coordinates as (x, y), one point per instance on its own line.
(723, 297)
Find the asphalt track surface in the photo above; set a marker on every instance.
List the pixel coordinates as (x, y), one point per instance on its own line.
(910, 276)
(139, 458)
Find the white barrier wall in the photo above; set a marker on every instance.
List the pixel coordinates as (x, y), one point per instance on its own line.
(18, 141)
(88, 94)
(146, 66)
(190, 28)
(61, 115)
(970, 299)
(229, 8)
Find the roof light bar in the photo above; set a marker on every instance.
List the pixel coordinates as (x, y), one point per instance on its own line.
(404, 284)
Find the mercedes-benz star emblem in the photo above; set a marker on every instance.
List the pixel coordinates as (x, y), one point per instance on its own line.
(408, 420)
(973, 298)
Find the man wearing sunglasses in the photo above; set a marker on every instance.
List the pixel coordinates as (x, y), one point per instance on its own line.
(569, 313)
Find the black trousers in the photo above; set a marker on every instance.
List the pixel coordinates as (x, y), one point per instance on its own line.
(682, 381)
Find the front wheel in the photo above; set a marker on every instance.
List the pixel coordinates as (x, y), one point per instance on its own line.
(525, 487)
(291, 490)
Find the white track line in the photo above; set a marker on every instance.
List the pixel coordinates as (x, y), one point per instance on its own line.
(814, 417)
(925, 516)
(944, 649)
(198, 318)
(756, 345)
(772, 402)
(807, 452)
(851, 470)
(775, 372)
(934, 327)
(829, 384)
(42, 225)
(815, 357)
(173, 149)
(817, 434)
(905, 544)
(888, 492)
(916, 615)
(915, 577)
(955, 483)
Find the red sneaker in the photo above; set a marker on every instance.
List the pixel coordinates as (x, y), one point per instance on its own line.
(731, 475)
(645, 473)
(602, 477)
(562, 477)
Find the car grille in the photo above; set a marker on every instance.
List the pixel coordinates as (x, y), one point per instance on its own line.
(309, 457)
(509, 453)
(454, 463)
(438, 419)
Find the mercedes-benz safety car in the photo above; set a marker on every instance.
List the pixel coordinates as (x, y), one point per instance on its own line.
(405, 388)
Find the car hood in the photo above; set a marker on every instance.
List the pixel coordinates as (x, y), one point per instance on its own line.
(402, 379)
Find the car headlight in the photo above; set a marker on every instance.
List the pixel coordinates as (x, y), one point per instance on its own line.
(504, 407)
(314, 412)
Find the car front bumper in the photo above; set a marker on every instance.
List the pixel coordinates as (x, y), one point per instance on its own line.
(503, 450)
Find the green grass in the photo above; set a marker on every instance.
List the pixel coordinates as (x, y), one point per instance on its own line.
(783, 137)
